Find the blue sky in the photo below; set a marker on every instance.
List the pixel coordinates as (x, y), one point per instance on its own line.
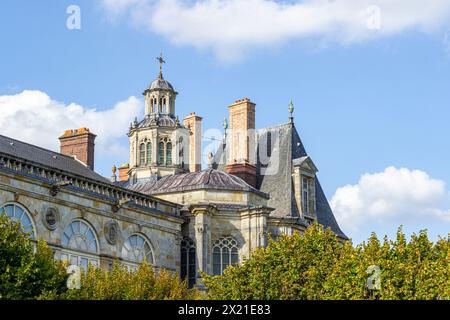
(363, 103)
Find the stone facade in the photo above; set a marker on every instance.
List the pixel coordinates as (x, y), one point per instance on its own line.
(38, 191)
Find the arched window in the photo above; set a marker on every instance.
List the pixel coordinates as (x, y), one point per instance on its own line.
(161, 153)
(136, 248)
(188, 269)
(169, 153)
(142, 154)
(149, 153)
(80, 244)
(17, 213)
(225, 253)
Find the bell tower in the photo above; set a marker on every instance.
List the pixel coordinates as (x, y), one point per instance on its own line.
(159, 143)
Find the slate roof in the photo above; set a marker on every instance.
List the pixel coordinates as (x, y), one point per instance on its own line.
(287, 145)
(160, 120)
(205, 179)
(47, 158)
(160, 83)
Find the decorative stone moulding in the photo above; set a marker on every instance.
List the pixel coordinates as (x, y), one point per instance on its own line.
(112, 232)
(51, 218)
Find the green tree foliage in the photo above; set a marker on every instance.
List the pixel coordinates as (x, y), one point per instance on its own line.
(317, 265)
(122, 284)
(27, 270)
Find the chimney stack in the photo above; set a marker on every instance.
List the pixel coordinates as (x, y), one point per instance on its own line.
(123, 172)
(80, 144)
(194, 123)
(242, 151)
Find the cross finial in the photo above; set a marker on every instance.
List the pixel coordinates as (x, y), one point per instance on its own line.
(161, 61)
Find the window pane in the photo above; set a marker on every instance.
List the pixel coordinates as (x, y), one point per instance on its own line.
(149, 153)
(161, 153)
(225, 258)
(76, 227)
(84, 263)
(234, 256)
(9, 210)
(169, 153)
(192, 256)
(74, 260)
(18, 213)
(93, 246)
(216, 262)
(65, 240)
(183, 271)
(142, 154)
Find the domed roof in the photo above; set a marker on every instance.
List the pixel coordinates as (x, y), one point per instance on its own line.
(205, 179)
(160, 120)
(160, 83)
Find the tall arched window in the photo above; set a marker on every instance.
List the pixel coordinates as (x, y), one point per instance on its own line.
(136, 249)
(80, 244)
(142, 154)
(19, 214)
(188, 269)
(149, 153)
(225, 253)
(169, 153)
(161, 153)
(155, 105)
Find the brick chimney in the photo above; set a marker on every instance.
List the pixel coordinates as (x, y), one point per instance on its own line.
(242, 151)
(123, 172)
(80, 144)
(194, 123)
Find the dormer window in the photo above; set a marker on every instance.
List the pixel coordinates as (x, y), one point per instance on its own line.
(305, 195)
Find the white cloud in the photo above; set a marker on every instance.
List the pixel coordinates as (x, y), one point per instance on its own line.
(231, 27)
(32, 116)
(391, 196)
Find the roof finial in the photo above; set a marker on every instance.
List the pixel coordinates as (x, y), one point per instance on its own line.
(291, 110)
(161, 61)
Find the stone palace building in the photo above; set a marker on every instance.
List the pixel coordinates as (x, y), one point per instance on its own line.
(161, 206)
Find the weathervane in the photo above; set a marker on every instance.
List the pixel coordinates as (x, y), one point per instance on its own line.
(161, 61)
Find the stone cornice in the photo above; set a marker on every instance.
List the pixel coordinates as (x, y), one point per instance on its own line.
(54, 177)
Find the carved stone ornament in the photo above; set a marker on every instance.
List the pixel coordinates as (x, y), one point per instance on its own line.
(112, 232)
(51, 218)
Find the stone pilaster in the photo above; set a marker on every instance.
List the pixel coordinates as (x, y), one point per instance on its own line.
(254, 228)
(202, 228)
